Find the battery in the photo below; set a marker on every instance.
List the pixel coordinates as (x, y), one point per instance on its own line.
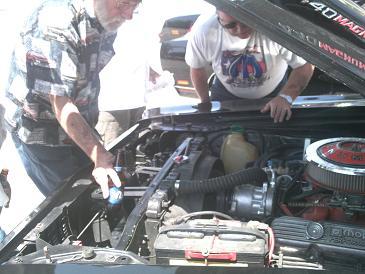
(211, 242)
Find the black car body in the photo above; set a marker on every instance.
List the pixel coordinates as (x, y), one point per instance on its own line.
(177, 26)
(298, 206)
(174, 35)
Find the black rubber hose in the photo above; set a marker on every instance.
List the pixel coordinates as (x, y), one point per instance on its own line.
(254, 176)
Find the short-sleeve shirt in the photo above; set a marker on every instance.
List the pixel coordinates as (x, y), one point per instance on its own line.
(248, 68)
(60, 51)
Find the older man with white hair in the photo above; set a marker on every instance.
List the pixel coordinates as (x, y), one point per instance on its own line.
(53, 87)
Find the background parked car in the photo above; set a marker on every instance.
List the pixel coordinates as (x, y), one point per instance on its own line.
(174, 37)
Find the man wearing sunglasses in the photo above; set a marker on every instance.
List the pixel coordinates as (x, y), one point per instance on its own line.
(53, 87)
(246, 64)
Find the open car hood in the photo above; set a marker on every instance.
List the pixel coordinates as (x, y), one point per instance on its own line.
(330, 34)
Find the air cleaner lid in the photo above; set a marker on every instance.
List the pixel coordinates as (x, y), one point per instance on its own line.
(337, 163)
(349, 153)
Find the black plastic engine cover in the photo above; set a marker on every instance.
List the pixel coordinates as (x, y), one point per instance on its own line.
(334, 241)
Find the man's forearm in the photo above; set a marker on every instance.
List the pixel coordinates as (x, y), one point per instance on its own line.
(298, 80)
(199, 78)
(76, 127)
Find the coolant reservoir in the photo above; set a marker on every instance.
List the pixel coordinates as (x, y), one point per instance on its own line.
(236, 152)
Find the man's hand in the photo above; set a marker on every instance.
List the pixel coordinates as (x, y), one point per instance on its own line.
(199, 78)
(80, 132)
(205, 107)
(104, 170)
(298, 79)
(279, 109)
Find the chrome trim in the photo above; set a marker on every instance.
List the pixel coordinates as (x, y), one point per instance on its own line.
(347, 100)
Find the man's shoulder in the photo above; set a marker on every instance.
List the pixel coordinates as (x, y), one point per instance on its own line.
(60, 12)
(205, 23)
(53, 6)
(206, 28)
(62, 20)
(56, 14)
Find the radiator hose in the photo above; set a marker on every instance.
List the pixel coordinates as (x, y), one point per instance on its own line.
(254, 176)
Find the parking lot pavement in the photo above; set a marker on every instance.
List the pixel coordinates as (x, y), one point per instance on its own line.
(24, 195)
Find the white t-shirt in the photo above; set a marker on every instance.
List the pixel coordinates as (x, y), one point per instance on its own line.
(248, 68)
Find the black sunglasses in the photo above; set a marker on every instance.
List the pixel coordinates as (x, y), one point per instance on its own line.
(230, 25)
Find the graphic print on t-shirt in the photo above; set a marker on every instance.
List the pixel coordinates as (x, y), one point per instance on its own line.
(245, 68)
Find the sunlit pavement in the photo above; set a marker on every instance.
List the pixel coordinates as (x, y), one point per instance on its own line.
(24, 195)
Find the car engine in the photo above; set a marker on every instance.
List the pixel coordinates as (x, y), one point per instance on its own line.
(295, 203)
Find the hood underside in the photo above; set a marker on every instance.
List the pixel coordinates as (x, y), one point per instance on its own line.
(330, 34)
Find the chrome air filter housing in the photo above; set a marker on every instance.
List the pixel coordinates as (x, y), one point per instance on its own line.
(337, 164)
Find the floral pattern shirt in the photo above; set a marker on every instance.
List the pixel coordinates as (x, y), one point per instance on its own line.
(60, 51)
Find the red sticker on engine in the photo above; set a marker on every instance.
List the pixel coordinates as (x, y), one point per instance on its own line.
(346, 153)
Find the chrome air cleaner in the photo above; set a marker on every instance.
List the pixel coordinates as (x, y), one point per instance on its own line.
(338, 164)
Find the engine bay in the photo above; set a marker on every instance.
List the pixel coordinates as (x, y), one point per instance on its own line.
(190, 199)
